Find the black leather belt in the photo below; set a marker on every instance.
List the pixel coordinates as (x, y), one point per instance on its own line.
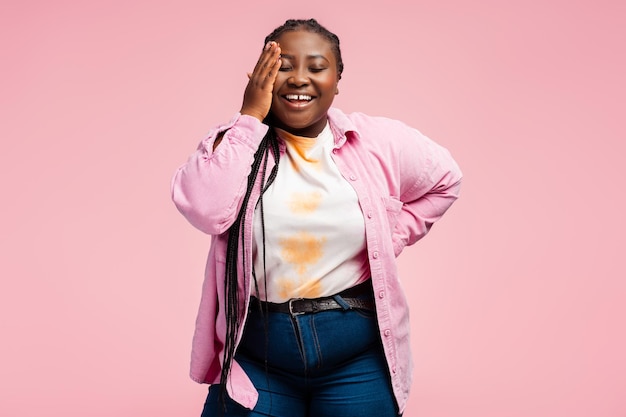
(343, 301)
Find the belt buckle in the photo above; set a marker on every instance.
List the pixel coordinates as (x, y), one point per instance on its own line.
(293, 313)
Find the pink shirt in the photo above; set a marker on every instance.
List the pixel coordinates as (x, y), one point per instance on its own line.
(404, 182)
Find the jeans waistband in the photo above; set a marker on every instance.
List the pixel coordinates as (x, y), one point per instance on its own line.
(360, 297)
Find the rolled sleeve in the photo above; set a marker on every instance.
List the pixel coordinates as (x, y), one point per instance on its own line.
(209, 187)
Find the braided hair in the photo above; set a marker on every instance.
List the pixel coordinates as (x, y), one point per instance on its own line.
(236, 231)
(235, 237)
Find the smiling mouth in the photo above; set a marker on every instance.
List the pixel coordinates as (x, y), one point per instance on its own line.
(298, 98)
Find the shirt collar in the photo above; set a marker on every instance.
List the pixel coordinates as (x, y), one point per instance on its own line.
(342, 127)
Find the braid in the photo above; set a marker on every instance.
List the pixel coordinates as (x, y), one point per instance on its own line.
(235, 236)
(310, 25)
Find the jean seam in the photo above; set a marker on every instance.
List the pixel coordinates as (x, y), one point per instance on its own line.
(295, 324)
(316, 342)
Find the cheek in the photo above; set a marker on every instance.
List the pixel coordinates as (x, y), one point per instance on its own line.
(331, 90)
(329, 85)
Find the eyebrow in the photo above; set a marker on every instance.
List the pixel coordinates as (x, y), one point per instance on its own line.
(287, 56)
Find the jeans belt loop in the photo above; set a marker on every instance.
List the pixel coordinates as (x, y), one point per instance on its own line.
(339, 299)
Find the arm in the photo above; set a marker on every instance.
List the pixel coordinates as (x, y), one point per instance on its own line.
(209, 188)
(430, 183)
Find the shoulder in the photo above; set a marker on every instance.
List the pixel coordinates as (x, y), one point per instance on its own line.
(364, 122)
(378, 130)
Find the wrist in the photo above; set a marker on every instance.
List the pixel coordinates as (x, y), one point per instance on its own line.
(252, 113)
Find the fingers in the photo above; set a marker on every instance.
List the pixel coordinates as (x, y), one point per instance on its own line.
(257, 99)
(267, 66)
(269, 52)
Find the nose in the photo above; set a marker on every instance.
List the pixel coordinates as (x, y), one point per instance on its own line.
(298, 79)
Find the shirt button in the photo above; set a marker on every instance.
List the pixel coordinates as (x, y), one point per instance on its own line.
(381, 294)
(353, 177)
(369, 215)
(393, 369)
(375, 255)
(387, 332)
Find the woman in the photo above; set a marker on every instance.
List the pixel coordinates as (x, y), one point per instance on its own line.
(302, 312)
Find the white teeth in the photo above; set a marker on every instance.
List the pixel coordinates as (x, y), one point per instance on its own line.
(298, 97)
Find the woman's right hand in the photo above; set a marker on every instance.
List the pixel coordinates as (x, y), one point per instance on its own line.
(257, 99)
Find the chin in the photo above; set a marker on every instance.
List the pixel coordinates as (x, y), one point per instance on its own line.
(293, 123)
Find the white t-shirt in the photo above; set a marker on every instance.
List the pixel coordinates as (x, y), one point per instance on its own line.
(314, 228)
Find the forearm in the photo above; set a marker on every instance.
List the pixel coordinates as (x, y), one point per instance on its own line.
(428, 195)
(209, 187)
(418, 216)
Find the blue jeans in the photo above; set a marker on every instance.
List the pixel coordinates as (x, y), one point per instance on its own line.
(327, 364)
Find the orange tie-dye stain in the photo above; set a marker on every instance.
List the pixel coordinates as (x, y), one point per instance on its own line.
(305, 203)
(301, 148)
(308, 288)
(300, 145)
(301, 152)
(311, 289)
(286, 288)
(302, 249)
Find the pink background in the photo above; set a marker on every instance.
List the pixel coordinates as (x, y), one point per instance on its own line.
(518, 295)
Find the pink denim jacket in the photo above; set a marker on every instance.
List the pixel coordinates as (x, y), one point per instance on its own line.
(404, 182)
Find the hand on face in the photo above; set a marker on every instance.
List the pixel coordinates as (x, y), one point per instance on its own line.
(297, 87)
(257, 98)
(306, 84)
